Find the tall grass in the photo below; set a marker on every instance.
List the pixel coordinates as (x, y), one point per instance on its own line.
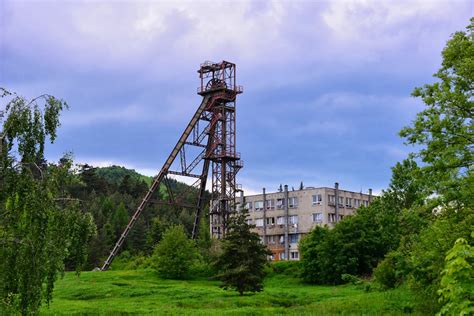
(143, 292)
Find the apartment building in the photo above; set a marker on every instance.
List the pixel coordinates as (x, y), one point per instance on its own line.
(283, 218)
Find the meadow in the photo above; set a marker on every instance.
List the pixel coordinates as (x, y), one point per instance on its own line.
(128, 292)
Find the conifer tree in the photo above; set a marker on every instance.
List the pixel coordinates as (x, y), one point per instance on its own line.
(243, 258)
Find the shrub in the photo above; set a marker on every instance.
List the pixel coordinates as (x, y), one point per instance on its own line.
(457, 290)
(349, 278)
(174, 256)
(287, 268)
(385, 273)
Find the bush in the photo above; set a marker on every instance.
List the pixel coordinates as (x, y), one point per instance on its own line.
(457, 290)
(385, 273)
(125, 261)
(202, 269)
(349, 278)
(175, 255)
(287, 268)
(425, 259)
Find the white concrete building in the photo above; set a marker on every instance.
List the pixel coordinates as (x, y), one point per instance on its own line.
(282, 218)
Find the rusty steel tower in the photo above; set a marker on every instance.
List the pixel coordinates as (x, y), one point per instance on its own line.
(219, 80)
(208, 139)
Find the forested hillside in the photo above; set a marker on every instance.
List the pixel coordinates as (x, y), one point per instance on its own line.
(115, 174)
(112, 194)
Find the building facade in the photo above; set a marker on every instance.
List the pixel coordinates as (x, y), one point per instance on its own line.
(283, 218)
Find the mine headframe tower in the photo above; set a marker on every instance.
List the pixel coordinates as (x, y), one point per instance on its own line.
(208, 139)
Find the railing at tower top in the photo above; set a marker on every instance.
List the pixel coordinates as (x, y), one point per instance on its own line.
(227, 154)
(211, 66)
(237, 89)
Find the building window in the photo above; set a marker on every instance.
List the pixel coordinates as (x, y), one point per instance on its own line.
(258, 205)
(294, 255)
(259, 222)
(293, 201)
(282, 239)
(270, 220)
(317, 217)
(366, 203)
(356, 202)
(317, 199)
(270, 204)
(348, 202)
(293, 219)
(332, 199)
(249, 221)
(248, 206)
(280, 203)
(271, 239)
(282, 256)
(293, 238)
(332, 217)
(341, 201)
(281, 220)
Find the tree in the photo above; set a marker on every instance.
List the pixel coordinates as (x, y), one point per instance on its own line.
(354, 246)
(444, 132)
(445, 128)
(357, 244)
(243, 258)
(155, 233)
(119, 219)
(312, 256)
(41, 225)
(175, 254)
(407, 186)
(422, 261)
(457, 290)
(136, 240)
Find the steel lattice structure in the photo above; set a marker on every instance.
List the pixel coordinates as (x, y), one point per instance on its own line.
(208, 139)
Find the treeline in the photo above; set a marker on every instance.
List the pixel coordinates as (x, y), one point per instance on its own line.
(112, 194)
(420, 231)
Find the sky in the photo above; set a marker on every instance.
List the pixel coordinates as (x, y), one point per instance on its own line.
(327, 84)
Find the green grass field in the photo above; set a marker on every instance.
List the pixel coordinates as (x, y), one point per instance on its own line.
(143, 292)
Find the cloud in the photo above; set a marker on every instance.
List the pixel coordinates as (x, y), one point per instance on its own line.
(146, 34)
(370, 28)
(128, 113)
(326, 83)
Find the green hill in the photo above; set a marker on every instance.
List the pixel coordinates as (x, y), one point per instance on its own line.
(115, 174)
